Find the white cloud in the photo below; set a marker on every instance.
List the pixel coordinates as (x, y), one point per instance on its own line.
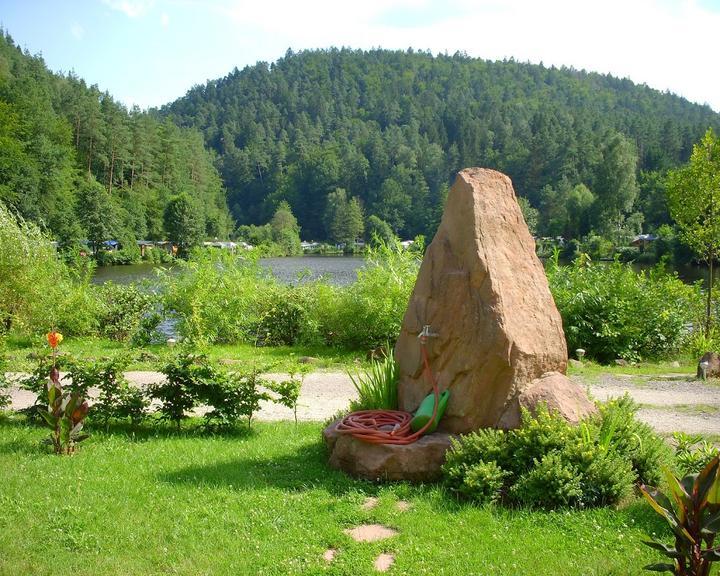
(131, 8)
(164, 20)
(77, 31)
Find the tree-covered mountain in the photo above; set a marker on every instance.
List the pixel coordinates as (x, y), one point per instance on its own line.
(83, 166)
(588, 151)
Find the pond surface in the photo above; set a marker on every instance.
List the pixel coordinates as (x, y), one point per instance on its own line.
(337, 270)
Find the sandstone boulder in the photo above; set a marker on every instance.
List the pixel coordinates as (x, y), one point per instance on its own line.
(560, 394)
(416, 462)
(484, 292)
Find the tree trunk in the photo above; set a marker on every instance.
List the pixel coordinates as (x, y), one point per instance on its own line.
(112, 165)
(709, 296)
(90, 156)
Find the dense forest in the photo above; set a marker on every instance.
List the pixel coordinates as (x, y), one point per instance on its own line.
(345, 141)
(84, 167)
(390, 129)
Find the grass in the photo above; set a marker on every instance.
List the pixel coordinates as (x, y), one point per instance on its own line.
(591, 371)
(19, 352)
(153, 502)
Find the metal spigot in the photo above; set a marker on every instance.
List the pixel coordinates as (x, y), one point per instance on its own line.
(425, 334)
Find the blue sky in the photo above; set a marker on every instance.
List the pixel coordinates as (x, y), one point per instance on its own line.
(149, 52)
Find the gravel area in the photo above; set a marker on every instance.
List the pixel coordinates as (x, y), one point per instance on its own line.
(670, 403)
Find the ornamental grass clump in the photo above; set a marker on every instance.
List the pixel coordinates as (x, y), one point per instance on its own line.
(377, 388)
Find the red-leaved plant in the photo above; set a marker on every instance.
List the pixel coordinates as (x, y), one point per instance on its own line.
(694, 517)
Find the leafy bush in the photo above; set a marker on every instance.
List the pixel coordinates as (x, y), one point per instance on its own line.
(4, 396)
(186, 377)
(288, 391)
(285, 316)
(378, 388)
(128, 313)
(117, 399)
(233, 396)
(216, 297)
(370, 311)
(612, 312)
(552, 482)
(549, 463)
(634, 440)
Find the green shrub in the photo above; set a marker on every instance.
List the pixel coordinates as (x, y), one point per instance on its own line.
(187, 376)
(285, 316)
(117, 399)
(636, 441)
(552, 482)
(127, 313)
(288, 391)
(612, 312)
(233, 396)
(217, 297)
(539, 434)
(483, 482)
(4, 395)
(370, 311)
(549, 463)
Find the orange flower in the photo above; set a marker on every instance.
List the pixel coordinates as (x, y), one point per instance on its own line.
(54, 338)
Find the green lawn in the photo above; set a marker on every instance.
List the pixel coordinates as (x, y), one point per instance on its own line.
(20, 350)
(265, 503)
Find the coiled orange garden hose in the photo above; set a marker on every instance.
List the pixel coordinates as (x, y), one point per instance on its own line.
(390, 426)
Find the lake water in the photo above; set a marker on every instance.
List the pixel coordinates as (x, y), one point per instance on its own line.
(337, 270)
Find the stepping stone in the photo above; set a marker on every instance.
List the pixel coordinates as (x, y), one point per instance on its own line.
(403, 505)
(383, 562)
(370, 503)
(329, 555)
(370, 533)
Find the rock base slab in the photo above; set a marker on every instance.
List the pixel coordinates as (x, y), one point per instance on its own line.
(417, 462)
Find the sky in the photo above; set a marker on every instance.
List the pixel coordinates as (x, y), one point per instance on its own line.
(150, 52)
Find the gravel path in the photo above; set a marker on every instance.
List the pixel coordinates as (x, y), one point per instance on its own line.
(671, 403)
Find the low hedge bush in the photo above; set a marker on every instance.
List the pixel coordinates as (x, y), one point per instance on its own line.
(548, 463)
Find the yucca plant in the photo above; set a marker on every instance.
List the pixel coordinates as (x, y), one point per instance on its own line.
(378, 388)
(694, 517)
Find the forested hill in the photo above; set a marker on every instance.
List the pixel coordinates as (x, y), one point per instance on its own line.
(391, 129)
(77, 162)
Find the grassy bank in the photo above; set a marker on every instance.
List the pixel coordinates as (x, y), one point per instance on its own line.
(266, 503)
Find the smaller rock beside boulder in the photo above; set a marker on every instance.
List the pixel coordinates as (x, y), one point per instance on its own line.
(558, 392)
(713, 365)
(417, 462)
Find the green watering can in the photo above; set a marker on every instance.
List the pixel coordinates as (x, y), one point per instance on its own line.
(424, 413)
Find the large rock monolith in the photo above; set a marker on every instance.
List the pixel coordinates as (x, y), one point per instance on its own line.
(484, 293)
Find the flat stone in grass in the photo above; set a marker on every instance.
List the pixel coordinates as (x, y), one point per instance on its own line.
(370, 532)
(329, 555)
(370, 503)
(383, 562)
(403, 505)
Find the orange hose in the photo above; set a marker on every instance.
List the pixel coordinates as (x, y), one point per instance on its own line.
(390, 426)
